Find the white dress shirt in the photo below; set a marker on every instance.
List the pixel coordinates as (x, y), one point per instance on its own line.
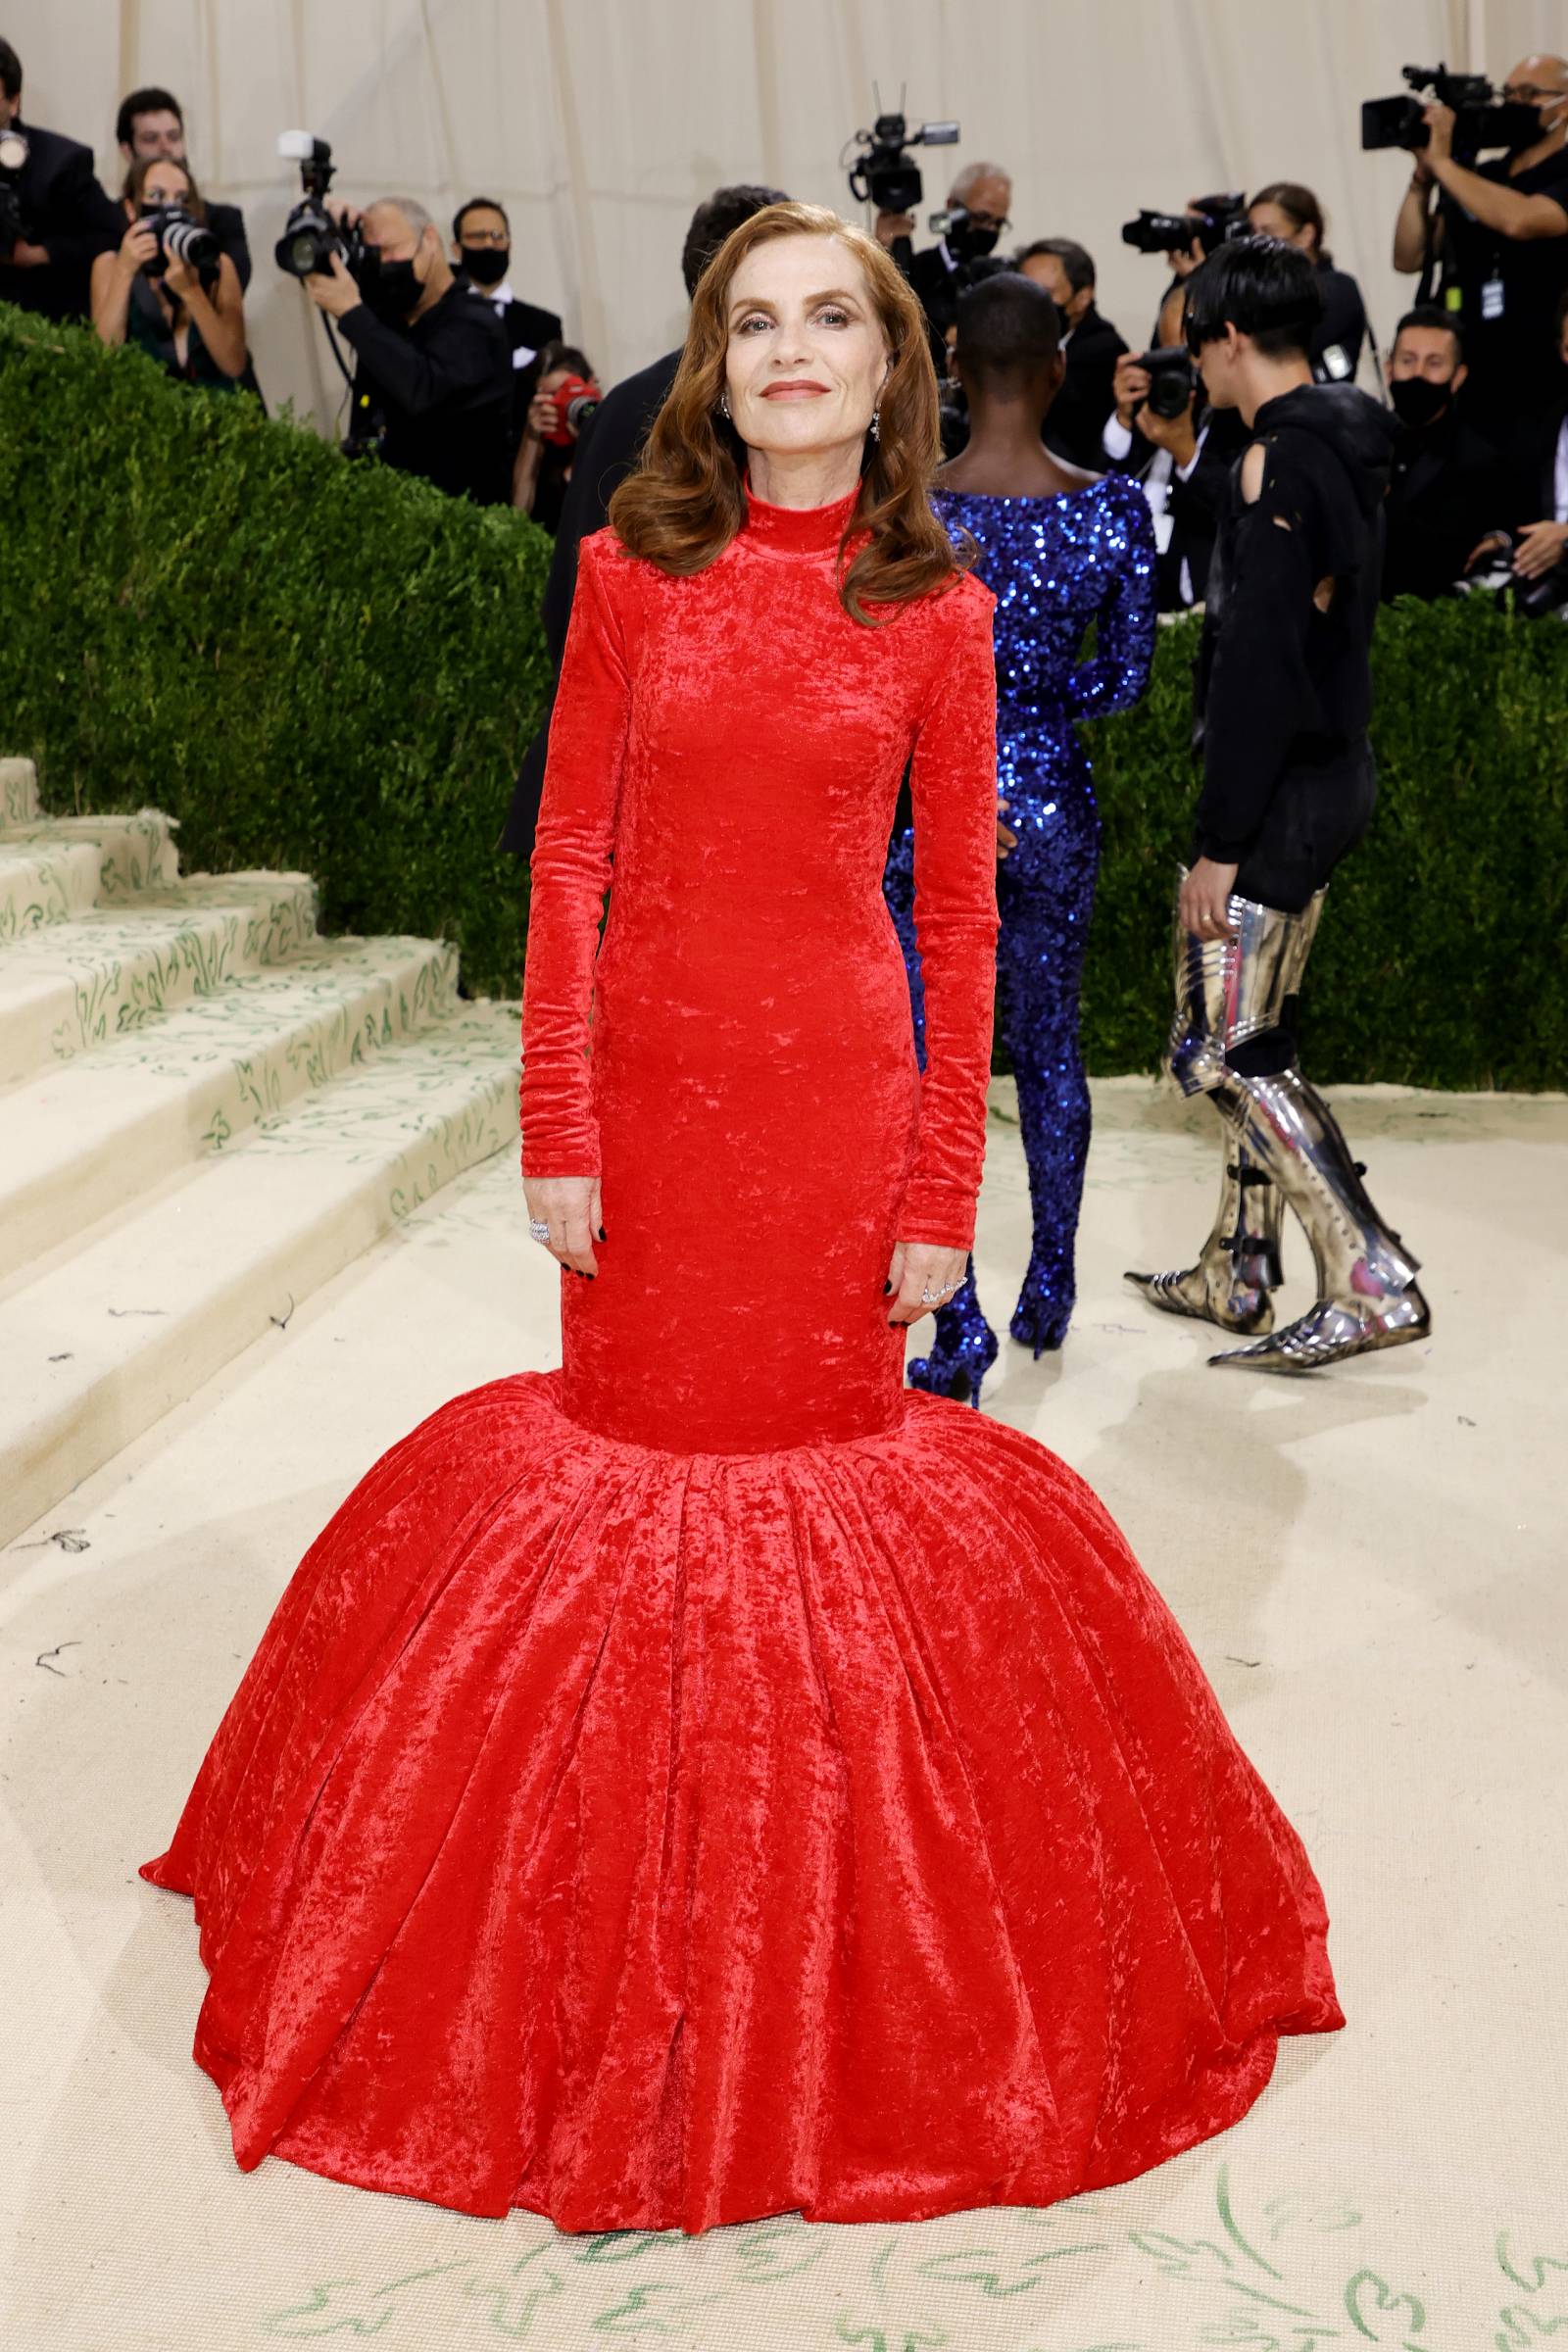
(1116, 441)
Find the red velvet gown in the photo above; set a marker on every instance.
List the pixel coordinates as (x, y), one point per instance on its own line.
(713, 1779)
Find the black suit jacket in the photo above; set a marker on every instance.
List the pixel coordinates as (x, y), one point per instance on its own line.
(227, 224)
(1193, 504)
(1448, 490)
(1079, 411)
(606, 454)
(527, 329)
(65, 211)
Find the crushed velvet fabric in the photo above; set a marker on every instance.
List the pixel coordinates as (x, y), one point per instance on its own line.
(713, 1779)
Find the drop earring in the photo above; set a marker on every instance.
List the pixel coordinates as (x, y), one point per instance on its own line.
(723, 406)
(876, 430)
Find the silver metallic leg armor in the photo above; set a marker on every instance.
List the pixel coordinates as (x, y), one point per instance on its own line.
(1277, 1125)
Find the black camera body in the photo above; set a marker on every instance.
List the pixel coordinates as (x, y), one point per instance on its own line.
(1480, 118)
(883, 173)
(12, 162)
(311, 236)
(1213, 220)
(179, 239)
(1172, 379)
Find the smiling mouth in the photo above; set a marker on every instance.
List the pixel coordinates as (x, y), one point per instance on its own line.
(795, 391)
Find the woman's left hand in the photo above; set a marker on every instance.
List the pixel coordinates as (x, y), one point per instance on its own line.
(179, 277)
(918, 1266)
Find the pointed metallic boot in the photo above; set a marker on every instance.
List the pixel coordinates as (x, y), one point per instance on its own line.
(1367, 1296)
(1238, 1264)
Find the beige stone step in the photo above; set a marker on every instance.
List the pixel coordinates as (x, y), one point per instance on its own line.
(88, 1134)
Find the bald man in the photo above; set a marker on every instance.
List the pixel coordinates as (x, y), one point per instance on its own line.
(434, 367)
(1501, 232)
(978, 199)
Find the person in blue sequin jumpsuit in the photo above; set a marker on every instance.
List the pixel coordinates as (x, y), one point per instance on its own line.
(1062, 550)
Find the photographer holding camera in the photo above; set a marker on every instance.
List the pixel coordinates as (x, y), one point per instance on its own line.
(564, 403)
(434, 365)
(151, 125)
(1501, 232)
(167, 287)
(54, 217)
(1160, 431)
(977, 215)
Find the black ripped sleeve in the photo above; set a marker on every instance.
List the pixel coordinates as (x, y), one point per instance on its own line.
(1260, 692)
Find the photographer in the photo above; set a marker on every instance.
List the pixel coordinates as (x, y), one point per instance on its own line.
(1183, 459)
(54, 217)
(1446, 488)
(1535, 503)
(1291, 212)
(550, 439)
(433, 363)
(978, 200)
(186, 312)
(150, 126)
(1091, 344)
(1500, 232)
(481, 251)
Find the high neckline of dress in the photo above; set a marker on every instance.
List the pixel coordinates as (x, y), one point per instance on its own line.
(797, 530)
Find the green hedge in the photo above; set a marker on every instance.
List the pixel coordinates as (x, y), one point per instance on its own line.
(326, 666)
(308, 663)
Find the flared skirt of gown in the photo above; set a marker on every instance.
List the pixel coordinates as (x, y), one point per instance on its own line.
(656, 1830)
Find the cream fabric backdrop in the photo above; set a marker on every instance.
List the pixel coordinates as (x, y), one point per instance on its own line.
(601, 122)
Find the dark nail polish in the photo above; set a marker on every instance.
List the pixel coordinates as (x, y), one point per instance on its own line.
(886, 1287)
(603, 1235)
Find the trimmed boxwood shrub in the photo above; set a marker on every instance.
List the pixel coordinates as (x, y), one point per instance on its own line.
(320, 665)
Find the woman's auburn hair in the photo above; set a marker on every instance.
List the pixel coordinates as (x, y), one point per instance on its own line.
(685, 502)
(135, 186)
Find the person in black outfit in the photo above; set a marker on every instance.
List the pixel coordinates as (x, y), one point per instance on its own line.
(433, 363)
(151, 125)
(1293, 214)
(1183, 462)
(1501, 235)
(979, 198)
(65, 218)
(1533, 507)
(190, 319)
(607, 451)
(1091, 345)
(1281, 700)
(1448, 488)
(481, 254)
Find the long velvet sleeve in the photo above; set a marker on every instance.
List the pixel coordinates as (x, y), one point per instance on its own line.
(1117, 673)
(952, 785)
(571, 873)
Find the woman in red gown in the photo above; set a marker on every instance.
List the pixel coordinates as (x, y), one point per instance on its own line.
(696, 1785)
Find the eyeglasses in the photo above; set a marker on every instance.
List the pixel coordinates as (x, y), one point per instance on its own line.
(484, 236)
(1526, 93)
(989, 220)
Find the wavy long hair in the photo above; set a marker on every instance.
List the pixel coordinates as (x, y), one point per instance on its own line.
(685, 502)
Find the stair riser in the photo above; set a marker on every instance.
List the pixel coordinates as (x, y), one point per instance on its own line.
(59, 1448)
(49, 887)
(68, 1012)
(157, 1123)
(135, 848)
(19, 792)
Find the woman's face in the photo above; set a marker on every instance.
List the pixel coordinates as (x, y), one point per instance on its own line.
(806, 354)
(165, 183)
(1269, 220)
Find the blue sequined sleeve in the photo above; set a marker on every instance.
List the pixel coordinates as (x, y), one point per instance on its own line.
(1117, 673)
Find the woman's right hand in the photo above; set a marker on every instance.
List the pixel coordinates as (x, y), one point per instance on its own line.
(571, 1206)
(1129, 389)
(1006, 838)
(137, 247)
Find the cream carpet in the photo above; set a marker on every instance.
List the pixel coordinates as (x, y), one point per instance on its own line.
(1370, 1564)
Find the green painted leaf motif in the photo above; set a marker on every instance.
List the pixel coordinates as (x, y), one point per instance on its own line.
(512, 2303)
(877, 2339)
(1379, 2314)
(651, 2310)
(1527, 2270)
(348, 2307)
(1179, 2257)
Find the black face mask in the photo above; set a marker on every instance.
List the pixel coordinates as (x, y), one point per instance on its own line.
(486, 264)
(966, 242)
(1418, 401)
(1532, 127)
(389, 288)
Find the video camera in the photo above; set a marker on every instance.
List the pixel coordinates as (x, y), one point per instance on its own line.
(180, 238)
(12, 162)
(311, 236)
(883, 173)
(1212, 220)
(1480, 118)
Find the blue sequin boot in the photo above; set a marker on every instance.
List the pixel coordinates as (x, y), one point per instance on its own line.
(964, 1349)
(1045, 1306)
